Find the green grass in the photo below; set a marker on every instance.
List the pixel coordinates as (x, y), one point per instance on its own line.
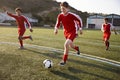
(27, 64)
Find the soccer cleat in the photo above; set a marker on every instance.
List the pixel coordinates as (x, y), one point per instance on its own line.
(78, 52)
(62, 63)
(21, 47)
(107, 48)
(31, 38)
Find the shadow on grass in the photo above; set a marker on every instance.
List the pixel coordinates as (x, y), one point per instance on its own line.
(107, 68)
(52, 55)
(56, 55)
(64, 75)
(75, 71)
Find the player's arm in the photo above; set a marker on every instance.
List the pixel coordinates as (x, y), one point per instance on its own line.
(113, 28)
(102, 28)
(79, 22)
(8, 13)
(57, 25)
(28, 23)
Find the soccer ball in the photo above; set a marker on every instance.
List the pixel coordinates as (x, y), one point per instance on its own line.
(48, 63)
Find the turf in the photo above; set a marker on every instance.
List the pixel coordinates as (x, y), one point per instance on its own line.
(27, 64)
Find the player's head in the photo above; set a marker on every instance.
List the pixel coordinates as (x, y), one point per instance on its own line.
(64, 7)
(106, 20)
(18, 11)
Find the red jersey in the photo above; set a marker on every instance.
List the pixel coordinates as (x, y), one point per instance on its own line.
(71, 23)
(21, 20)
(106, 28)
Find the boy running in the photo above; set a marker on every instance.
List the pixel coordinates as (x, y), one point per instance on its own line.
(71, 24)
(106, 29)
(20, 20)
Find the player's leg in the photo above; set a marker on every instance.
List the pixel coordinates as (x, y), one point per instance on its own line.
(107, 43)
(71, 38)
(66, 50)
(21, 42)
(27, 37)
(20, 38)
(75, 47)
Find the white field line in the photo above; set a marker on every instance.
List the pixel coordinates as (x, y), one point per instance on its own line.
(82, 55)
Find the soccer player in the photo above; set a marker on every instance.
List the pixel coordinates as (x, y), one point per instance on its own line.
(71, 24)
(106, 29)
(20, 20)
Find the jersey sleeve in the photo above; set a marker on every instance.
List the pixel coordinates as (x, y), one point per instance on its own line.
(12, 15)
(112, 27)
(102, 28)
(79, 20)
(58, 21)
(26, 21)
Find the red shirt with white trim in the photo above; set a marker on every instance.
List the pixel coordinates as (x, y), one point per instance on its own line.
(21, 20)
(71, 22)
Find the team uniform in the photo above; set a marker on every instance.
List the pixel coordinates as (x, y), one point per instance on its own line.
(106, 28)
(71, 24)
(21, 20)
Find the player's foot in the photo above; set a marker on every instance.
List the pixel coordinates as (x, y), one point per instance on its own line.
(62, 63)
(21, 47)
(78, 52)
(107, 48)
(31, 38)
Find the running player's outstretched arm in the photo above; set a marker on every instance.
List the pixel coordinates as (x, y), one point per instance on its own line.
(8, 13)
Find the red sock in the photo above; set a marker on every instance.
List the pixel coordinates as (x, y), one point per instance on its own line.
(65, 57)
(26, 37)
(107, 44)
(76, 48)
(21, 43)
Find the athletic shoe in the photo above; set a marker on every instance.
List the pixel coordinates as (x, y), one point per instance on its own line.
(31, 38)
(62, 63)
(21, 47)
(107, 48)
(78, 52)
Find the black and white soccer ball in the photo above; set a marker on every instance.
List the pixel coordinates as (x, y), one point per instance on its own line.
(48, 63)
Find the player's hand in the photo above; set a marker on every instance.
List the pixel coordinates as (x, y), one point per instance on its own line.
(31, 30)
(4, 9)
(55, 31)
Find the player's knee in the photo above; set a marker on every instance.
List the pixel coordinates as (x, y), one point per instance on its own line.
(19, 38)
(66, 44)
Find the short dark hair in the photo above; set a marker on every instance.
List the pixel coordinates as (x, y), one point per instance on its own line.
(106, 19)
(18, 9)
(64, 4)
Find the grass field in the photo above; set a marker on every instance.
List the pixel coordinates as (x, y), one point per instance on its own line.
(27, 64)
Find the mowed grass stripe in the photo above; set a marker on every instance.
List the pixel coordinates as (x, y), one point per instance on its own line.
(91, 57)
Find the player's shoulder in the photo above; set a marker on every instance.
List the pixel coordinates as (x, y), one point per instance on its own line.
(24, 17)
(71, 13)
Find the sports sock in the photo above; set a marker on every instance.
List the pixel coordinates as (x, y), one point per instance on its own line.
(65, 57)
(25, 37)
(76, 48)
(21, 43)
(108, 44)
